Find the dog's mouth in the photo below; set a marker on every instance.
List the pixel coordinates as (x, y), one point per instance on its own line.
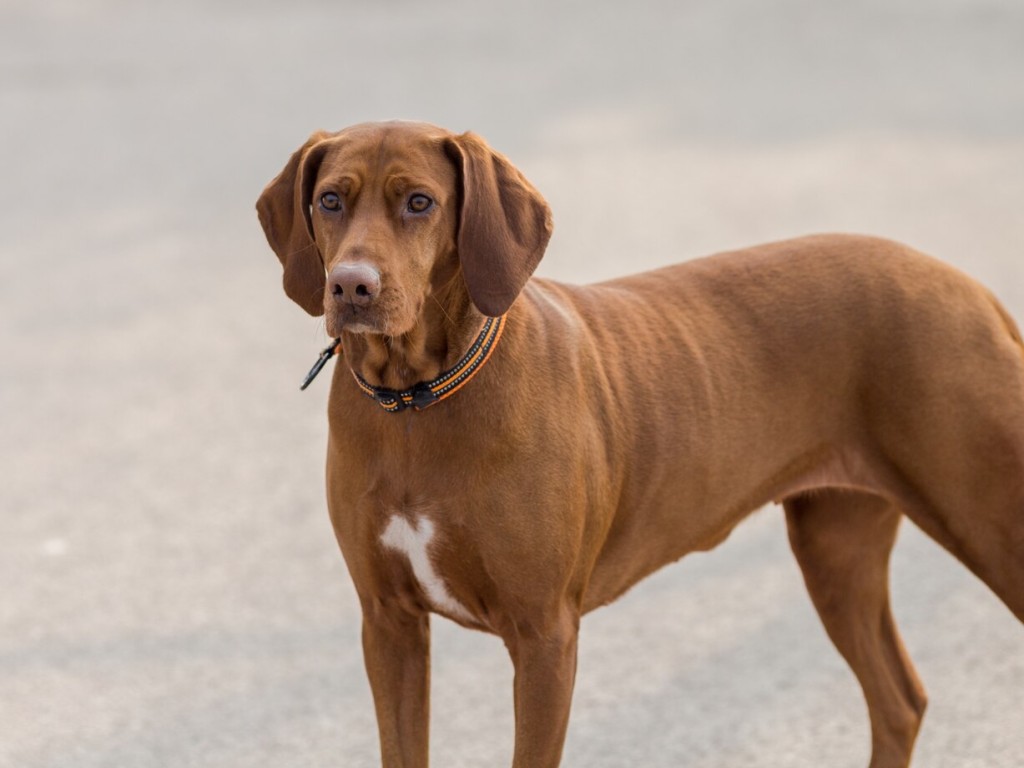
(377, 318)
(354, 319)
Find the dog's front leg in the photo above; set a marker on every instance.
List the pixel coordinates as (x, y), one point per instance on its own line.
(396, 650)
(545, 670)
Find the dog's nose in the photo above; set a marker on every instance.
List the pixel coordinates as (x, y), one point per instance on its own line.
(354, 283)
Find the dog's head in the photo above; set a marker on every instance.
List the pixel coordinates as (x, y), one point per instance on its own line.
(369, 222)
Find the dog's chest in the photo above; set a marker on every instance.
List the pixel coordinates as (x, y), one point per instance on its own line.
(418, 542)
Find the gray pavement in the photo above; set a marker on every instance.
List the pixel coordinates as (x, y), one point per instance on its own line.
(172, 595)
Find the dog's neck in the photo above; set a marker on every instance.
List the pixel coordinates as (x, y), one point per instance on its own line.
(446, 328)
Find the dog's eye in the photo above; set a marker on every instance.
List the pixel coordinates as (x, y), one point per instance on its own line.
(419, 203)
(330, 202)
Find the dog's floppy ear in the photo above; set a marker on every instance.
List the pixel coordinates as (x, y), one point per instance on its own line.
(283, 209)
(504, 225)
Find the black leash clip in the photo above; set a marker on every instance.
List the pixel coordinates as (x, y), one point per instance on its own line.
(321, 361)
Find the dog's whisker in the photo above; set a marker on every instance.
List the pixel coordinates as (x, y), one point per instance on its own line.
(444, 312)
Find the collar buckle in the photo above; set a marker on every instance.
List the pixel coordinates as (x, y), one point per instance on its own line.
(389, 399)
(423, 396)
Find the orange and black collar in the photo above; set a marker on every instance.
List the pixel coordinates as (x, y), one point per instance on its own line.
(425, 393)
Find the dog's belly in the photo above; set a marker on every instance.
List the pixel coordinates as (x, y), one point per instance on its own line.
(632, 553)
(842, 469)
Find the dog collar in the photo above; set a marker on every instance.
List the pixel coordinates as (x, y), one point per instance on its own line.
(425, 393)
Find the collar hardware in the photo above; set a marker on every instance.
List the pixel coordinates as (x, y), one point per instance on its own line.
(424, 394)
(321, 361)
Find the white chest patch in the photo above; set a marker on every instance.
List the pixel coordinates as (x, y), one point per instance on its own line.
(413, 540)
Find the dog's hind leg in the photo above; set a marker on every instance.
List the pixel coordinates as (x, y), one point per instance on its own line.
(842, 542)
(952, 444)
(963, 485)
(990, 543)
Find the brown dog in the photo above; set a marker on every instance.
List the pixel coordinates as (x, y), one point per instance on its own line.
(600, 432)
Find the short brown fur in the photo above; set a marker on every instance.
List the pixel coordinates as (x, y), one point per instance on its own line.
(621, 425)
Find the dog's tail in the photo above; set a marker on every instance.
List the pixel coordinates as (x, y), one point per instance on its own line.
(1008, 321)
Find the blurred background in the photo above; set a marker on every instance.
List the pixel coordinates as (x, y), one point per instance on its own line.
(171, 590)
